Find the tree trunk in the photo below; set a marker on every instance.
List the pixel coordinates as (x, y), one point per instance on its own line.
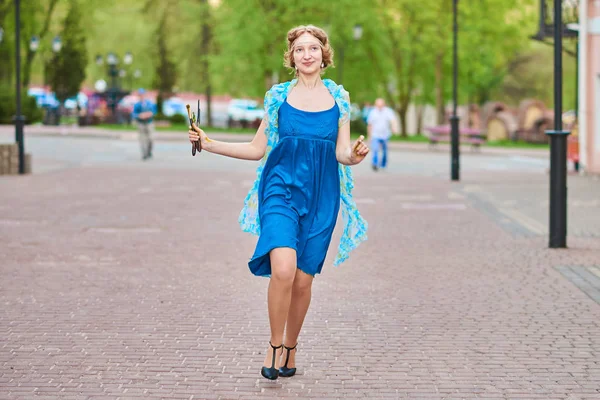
(27, 67)
(439, 90)
(206, 39)
(402, 111)
(419, 111)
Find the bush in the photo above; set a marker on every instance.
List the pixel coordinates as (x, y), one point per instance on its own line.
(8, 107)
(178, 119)
(358, 126)
(160, 117)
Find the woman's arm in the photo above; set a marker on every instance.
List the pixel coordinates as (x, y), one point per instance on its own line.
(254, 150)
(346, 153)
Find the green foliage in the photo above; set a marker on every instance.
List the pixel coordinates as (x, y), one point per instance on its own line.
(8, 107)
(404, 55)
(178, 119)
(159, 102)
(358, 126)
(166, 73)
(66, 72)
(530, 74)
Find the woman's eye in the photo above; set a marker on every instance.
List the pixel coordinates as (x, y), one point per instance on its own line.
(314, 48)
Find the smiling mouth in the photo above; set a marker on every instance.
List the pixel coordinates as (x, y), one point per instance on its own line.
(308, 63)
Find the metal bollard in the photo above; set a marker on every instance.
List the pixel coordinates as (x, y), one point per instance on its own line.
(558, 188)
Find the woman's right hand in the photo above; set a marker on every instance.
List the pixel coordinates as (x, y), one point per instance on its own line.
(195, 134)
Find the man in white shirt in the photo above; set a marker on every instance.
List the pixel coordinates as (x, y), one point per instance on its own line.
(379, 128)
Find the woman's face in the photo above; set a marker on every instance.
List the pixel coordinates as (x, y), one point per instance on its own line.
(308, 55)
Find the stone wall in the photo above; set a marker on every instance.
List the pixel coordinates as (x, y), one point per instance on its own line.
(9, 160)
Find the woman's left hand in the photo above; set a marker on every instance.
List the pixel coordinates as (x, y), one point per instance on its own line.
(359, 150)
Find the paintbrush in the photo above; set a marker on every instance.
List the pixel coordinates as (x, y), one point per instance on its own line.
(358, 142)
(196, 146)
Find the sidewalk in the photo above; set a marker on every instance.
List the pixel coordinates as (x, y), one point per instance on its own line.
(131, 282)
(77, 131)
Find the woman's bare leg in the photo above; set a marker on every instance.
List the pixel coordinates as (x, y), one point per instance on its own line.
(283, 270)
(301, 295)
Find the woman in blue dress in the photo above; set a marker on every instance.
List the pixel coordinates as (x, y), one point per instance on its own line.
(303, 180)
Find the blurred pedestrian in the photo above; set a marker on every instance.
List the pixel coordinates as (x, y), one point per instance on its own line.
(303, 179)
(143, 114)
(379, 127)
(365, 112)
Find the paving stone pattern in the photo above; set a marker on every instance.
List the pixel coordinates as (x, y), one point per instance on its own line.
(123, 282)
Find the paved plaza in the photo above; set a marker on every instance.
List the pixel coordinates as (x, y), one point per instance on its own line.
(124, 279)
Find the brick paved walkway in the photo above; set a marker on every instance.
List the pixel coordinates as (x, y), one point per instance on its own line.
(131, 283)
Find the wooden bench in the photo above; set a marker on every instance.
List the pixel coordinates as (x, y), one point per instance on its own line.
(467, 135)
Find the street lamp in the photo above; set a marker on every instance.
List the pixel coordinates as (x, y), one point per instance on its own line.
(454, 120)
(112, 59)
(56, 44)
(34, 43)
(558, 146)
(128, 59)
(558, 137)
(114, 93)
(357, 32)
(19, 119)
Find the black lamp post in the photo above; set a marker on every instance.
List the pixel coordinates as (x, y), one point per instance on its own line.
(114, 91)
(558, 146)
(558, 137)
(19, 119)
(357, 32)
(454, 119)
(112, 60)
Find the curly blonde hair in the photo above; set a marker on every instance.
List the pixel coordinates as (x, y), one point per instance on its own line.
(294, 33)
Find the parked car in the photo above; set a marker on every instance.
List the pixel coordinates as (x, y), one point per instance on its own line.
(244, 112)
(174, 105)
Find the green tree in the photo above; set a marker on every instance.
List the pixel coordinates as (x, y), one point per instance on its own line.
(420, 47)
(413, 48)
(250, 38)
(166, 72)
(66, 71)
(38, 18)
(205, 53)
(492, 35)
(7, 44)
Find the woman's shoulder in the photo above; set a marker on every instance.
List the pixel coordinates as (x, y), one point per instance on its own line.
(335, 89)
(280, 87)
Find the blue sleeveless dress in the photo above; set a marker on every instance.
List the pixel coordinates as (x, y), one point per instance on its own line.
(299, 191)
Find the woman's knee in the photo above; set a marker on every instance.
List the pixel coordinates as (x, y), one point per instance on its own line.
(283, 265)
(302, 283)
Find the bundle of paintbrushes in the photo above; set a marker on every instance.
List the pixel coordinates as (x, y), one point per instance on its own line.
(194, 119)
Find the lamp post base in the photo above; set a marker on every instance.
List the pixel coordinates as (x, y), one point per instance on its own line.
(19, 124)
(558, 189)
(455, 148)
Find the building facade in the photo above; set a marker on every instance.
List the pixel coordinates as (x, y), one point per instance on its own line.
(589, 85)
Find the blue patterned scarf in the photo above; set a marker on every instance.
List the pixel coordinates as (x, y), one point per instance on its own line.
(355, 227)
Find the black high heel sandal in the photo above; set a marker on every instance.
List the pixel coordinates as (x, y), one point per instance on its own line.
(285, 371)
(271, 373)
